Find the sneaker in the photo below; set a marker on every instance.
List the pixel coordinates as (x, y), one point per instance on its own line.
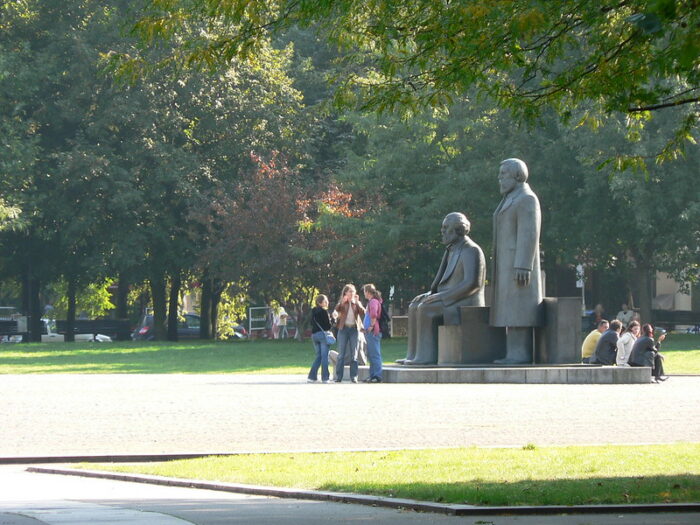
(375, 379)
(326, 381)
(309, 380)
(354, 380)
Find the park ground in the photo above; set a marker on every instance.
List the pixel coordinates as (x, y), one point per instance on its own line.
(140, 400)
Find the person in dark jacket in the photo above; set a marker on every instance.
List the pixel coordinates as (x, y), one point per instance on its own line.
(645, 352)
(606, 350)
(320, 324)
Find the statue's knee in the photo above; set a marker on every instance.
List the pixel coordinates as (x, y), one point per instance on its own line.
(430, 310)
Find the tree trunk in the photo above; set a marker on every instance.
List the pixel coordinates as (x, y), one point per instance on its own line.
(217, 290)
(159, 306)
(70, 314)
(122, 310)
(173, 307)
(24, 300)
(36, 325)
(301, 321)
(205, 310)
(644, 294)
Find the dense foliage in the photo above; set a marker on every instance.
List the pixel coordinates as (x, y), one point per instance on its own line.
(631, 56)
(241, 180)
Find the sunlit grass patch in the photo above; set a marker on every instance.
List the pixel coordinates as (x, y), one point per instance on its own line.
(527, 476)
(144, 357)
(251, 357)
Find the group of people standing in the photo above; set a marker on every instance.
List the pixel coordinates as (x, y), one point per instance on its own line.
(351, 319)
(608, 345)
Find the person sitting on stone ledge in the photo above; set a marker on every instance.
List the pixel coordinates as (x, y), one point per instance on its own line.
(591, 340)
(459, 282)
(606, 349)
(645, 352)
(626, 342)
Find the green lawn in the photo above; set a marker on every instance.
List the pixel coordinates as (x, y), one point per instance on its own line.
(196, 357)
(528, 476)
(265, 357)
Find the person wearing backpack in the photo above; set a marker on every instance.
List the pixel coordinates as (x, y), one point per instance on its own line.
(373, 334)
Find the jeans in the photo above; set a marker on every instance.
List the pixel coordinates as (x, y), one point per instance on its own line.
(322, 348)
(347, 342)
(374, 354)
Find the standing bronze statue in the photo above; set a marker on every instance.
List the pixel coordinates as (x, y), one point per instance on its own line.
(517, 283)
(459, 282)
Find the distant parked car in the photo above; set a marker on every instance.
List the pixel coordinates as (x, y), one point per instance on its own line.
(187, 328)
(49, 335)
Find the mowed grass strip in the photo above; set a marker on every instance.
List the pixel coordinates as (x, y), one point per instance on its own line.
(250, 357)
(574, 475)
(144, 357)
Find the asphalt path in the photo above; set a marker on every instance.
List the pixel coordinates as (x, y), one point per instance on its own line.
(55, 415)
(59, 415)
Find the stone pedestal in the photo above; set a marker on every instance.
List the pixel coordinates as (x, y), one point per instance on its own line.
(559, 340)
(546, 374)
(473, 341)
(449, 344)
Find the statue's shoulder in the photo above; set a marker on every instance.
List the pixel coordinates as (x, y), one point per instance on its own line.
(469, 243)
(528, 193)
(526, 198)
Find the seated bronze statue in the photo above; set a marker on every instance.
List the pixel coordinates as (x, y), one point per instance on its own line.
(459, 282)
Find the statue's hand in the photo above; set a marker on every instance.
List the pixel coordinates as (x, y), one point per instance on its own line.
(433, 297)
(420, 298)
(522, 276)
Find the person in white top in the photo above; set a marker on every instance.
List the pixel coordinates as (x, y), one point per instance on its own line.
(625, 315)
(625, 344)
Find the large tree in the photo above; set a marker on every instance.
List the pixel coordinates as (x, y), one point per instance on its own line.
(106, 174)
(630, 56)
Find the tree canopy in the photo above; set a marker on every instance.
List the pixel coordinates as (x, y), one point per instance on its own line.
(243, 180)
(599, 56)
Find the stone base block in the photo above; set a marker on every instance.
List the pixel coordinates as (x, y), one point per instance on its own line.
(473, 341)
(449, 344)
(559, 340)
(523, 374)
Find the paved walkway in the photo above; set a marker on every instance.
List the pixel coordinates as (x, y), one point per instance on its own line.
(33, 499)
(152, 414)
(55, 415)
(69, 500)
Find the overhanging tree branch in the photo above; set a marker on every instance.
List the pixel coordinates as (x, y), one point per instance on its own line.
(654, 107)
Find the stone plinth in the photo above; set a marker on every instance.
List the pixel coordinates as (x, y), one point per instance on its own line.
(473, 341)
(523, 374)
(559, 340)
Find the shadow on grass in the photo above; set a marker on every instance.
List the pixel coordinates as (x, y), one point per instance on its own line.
(589, 491)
